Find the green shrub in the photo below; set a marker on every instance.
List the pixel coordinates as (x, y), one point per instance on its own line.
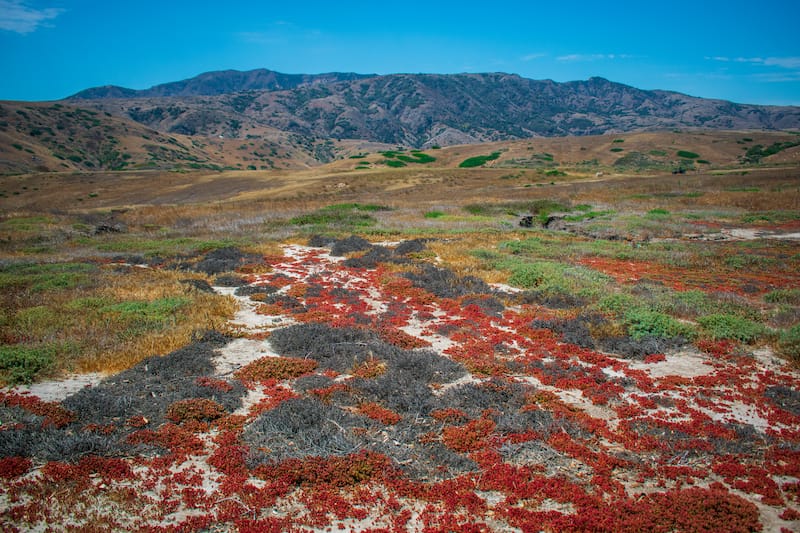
(683, 154)
(434, 214)
(617, 150)
(617, 304)
(731, 327)
(20, 364)
(46, 277)
(417, 157)
(394, 163)
(789, 343)
(783, 296)
(645, 323)
(479, 160)
(556, 278)
(342, 215)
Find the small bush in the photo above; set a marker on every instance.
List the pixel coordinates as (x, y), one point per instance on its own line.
(731, 327)
(617, 304)
(683, 154)
(783, 296)
(479, 160)
(20, 364)
(195, 409)
(644, 323)
(789, 343)
(276, 368)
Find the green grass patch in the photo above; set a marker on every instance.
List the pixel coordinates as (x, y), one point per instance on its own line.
(657, 153)
(434, 214)
(159, 247)
(417, 157)
(783, 296)
(46, 276)
(788, 343)
(588, 215)
(618, 141)
(24, 364)
(555, 278)
(394, 163)
(646, 323)
(348, 215)
(742, 189)
(25, 223)
(772, 217)
(617, 304)
(757, 152)
(535, 207)
(479, 160)
(616, 149)
(685, 154)
(731, 327)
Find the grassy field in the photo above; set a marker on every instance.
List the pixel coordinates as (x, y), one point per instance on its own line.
(626, 361)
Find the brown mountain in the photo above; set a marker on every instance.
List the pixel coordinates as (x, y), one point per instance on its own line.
(420, 110)
(47, 136)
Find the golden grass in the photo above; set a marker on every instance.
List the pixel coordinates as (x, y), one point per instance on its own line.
(204, 312)
(109, 319)
(455, 252)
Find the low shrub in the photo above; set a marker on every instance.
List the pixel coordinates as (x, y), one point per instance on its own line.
(789, 343)
(276, 368)
(645, 323)
(21, 364)
(730, 327)
(195, 409)
(783, 296)
(479, 160)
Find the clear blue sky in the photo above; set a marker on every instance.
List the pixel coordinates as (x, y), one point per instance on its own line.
(744, 51)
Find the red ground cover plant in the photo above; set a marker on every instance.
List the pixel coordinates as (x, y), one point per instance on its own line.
(195, 409)
(750, 282)
(377, 412)
(267, 368)
(54, 414)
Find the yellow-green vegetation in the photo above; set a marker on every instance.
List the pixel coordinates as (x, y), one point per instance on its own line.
(87, 317)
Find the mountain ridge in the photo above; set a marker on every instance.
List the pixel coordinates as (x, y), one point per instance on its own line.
(216, 83)
(420, 110)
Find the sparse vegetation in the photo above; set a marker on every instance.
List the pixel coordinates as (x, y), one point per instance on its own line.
(406, 355)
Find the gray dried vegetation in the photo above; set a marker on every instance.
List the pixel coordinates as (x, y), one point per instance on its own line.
(146, 390)
(579, 330)
(225, 260)
(444, 283)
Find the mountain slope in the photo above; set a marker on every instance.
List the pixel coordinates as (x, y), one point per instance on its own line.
(45, 137)
(422, 109)
(220, 82)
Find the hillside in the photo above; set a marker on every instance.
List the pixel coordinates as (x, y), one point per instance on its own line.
(221, 82)
(49, 137)
(421, 110)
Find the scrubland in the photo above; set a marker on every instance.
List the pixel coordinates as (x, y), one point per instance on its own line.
(407, 356)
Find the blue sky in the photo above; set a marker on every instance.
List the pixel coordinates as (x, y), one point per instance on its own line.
(744, 51)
